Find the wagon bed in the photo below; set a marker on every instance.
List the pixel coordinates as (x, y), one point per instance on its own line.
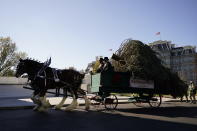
(119, 82)
(104, 84)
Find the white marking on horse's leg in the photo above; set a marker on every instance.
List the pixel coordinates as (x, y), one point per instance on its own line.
(46, 102)
(42, 109)
(43, 106)
(73, 105)
(58, 107)
(87, 103)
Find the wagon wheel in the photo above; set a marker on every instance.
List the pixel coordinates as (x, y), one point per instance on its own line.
(111, 102)
(155, 100)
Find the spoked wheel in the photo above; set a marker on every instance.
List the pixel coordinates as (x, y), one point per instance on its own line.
(155, 100)
(111, 102)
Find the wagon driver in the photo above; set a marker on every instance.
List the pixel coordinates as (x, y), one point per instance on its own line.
(101, 66)
(107, 65)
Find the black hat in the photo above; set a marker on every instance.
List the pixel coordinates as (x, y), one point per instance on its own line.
(101, 59)
(106, 58)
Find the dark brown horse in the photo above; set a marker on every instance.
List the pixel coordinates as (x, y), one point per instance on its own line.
(42, 77)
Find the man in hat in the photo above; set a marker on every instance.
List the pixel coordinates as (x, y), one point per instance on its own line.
(101, 66)
(107, 65)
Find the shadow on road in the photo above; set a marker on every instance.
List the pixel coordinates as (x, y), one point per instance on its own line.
(84, 121)
(179, 111)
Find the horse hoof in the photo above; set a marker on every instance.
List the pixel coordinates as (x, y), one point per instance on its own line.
(57, 108)
(42, 109)
(68, 109)
(47, 105)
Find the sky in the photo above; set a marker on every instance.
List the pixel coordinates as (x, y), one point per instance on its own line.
(74, 32)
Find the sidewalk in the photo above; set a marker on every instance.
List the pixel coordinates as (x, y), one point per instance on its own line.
(26, 103)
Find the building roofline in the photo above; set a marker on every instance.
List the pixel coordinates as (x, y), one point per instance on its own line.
(160, 42)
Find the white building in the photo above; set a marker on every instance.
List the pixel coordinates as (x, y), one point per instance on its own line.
(182, 60)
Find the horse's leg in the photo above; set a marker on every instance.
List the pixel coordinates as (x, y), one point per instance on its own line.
(35, 99)
(87, 101)
(44, 104)
(58, 107)
(57, 92)
(74, 102)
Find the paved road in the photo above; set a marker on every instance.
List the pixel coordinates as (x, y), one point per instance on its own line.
(171, 116)
(13, 91)
(8, 91)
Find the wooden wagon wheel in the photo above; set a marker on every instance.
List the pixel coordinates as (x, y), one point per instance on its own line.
(155, 100)
(111, 102)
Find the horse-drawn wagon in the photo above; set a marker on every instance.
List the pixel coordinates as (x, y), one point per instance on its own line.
(106, 86)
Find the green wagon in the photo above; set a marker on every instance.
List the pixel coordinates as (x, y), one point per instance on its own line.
(107, 85)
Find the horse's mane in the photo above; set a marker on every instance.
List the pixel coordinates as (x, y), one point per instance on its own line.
(30, 61)
(38, 63)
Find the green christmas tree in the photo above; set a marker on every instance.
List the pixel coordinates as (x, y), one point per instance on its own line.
(142, 61)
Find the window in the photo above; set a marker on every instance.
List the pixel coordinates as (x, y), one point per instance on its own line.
(172, 54)
(179, 53)
(190, 51)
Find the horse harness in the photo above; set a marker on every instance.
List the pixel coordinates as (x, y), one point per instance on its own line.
(44, 75)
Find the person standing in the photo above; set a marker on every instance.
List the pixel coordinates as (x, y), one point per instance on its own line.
(192, 92)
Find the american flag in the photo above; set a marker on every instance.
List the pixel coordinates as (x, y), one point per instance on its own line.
(158, 33)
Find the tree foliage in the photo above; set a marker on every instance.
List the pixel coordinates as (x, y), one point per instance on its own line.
(142, 61)
(8, 56)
